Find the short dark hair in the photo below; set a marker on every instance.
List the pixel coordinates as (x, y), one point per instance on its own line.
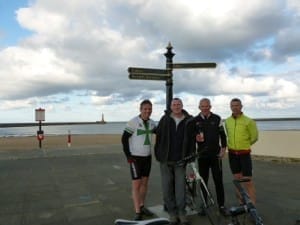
(236, 100)
(204, 100)
(145, 102)
(177, 99)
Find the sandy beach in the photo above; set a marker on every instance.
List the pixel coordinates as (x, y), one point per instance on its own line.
(278, 144)
(57, 142)
(282, 144)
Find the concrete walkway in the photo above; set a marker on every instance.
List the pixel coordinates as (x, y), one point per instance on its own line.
(92, 186)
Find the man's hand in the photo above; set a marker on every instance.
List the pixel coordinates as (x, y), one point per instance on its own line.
(222, 152)
(200, 137)
(130, 159)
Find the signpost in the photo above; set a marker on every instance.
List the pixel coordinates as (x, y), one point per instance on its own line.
(139, 73)
(40, 116)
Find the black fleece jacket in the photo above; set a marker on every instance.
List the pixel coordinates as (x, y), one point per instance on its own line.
(214, 135)
(170, 139)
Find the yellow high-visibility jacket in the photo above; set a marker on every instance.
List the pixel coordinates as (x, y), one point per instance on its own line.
(241, 132)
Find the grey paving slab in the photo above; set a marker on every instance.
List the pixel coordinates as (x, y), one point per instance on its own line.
(92, 186)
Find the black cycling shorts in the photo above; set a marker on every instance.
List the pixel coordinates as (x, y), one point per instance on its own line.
(241, 164)
(141, 167)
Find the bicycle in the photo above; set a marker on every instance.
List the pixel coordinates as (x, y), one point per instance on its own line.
(246, 207)
(195, 189)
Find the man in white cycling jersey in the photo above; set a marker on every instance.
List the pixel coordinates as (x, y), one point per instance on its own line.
(137, 146)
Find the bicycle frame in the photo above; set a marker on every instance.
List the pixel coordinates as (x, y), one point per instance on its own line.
(195, 176)
(196, 188)
(246, 207)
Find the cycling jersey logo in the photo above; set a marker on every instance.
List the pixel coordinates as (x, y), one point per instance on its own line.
(147, 133)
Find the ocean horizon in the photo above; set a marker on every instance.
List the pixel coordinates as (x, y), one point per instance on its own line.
(118, 127)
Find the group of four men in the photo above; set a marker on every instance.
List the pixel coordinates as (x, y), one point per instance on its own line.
(178, 134)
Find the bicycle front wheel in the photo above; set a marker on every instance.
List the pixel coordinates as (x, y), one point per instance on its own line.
(193, 199)
(208, 203)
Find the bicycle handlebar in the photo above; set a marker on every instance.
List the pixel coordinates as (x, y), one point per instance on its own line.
(193, 156)
(242, 180)
(249, 206)
(186, 159)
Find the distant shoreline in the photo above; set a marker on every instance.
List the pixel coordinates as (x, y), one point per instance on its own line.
(3, 125)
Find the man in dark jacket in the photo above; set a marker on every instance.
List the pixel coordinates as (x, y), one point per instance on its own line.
(169, 150)
(208, 132)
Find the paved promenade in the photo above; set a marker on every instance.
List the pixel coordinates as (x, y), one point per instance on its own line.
(91, 186)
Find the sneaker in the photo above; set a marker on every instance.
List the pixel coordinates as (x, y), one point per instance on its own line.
(165, 208)
(146, 211)
(224, 211)
(202, 212)
(186, 223)
(173, 220)
(138, 216)
(184, 220)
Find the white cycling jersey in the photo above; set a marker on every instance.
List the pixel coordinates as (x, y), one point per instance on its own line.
(140, 143)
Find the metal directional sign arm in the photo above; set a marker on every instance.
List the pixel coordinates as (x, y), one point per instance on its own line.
(148, 76)
(147, 70)
(193, 65)
(137, 73)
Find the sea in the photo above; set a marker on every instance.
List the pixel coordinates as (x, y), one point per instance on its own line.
(118, 127)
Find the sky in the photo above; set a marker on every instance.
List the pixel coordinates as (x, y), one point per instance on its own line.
(71, 57)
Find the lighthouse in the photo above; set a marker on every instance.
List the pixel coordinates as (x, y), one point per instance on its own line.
(102, 121)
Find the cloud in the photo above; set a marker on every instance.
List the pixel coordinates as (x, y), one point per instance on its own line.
(25, 73)
(286, 44)
(83, 49)
(17, 104)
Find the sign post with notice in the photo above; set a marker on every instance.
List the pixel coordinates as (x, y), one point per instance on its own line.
(40, 116)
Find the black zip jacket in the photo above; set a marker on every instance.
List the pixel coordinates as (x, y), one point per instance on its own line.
(214, 135)
(169, 139)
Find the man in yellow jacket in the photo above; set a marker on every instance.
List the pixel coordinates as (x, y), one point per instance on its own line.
(241, 134)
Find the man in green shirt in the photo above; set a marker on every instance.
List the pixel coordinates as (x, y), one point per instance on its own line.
(241, 134)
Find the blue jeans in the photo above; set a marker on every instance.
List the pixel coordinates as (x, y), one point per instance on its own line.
(173, 187)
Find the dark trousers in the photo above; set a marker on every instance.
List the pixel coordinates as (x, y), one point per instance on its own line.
(215, 164)
(173, 187)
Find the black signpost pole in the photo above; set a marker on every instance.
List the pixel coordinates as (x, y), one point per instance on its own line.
(169, 82)
(39, 133)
